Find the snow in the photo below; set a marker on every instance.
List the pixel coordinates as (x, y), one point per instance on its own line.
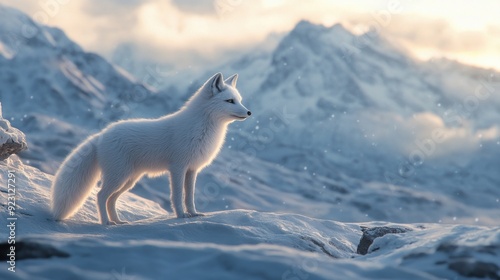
(385, 106)
(5, 51)
(50, 80)
(230, 244)
(9, 134)
(325, 154)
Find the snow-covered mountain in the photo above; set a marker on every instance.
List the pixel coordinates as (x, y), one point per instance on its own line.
(331, 103)
(345, 90)
(54, 89)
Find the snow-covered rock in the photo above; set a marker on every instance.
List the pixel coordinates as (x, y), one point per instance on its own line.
(12, 140)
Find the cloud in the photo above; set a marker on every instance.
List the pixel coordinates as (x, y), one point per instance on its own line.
(161, 29)
(437, 33)
(428, 37)
(202, 7)
(425, 136)
(172, 29)
(113, 8)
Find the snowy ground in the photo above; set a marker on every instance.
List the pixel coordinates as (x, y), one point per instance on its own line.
(232, 244)
(325, 155)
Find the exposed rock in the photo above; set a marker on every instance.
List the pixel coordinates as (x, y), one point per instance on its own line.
(30, 250)
(12, 140)
(370, 234)
(10, 148)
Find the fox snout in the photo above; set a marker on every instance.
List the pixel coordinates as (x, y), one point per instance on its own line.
(245, 114)
(242, 115)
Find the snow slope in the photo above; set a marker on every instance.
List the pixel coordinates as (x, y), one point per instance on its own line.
(331, 103)
(240, 244)
(343, 97)
(237, 181)
(49, 83)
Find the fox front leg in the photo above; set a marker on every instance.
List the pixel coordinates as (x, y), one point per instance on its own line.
(189, 189)
(177, 178)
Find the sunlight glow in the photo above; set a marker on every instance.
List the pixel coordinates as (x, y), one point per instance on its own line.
(455, 29)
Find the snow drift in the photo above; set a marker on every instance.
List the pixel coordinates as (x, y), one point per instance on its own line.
(232, 244)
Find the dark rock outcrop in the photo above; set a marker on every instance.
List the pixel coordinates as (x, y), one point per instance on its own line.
(30, 250)
(12, 140)
(370, 234)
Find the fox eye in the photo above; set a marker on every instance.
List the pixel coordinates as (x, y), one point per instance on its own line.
(230, 101)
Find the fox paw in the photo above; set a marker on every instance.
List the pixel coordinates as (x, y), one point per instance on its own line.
(190, 215)
(114, 223)
(196, 214)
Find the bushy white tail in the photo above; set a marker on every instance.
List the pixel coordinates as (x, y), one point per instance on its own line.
(74, 180)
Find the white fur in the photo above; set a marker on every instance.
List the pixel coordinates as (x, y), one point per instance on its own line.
(182, 143)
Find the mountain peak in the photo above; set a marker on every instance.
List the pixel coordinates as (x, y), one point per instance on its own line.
(19, 34)
(8, 13)
(316, 37)
(306, 45)
(307, 27)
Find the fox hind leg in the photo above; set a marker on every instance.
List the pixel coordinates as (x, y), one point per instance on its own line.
(110, 185)
(111, 203)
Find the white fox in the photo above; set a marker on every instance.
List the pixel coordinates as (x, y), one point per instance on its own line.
(182, 143)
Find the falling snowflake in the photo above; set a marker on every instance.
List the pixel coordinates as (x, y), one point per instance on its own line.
(121, 276)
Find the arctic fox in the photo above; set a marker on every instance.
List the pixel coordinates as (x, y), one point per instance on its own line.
(182, 143)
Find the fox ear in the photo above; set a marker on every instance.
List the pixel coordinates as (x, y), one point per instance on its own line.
(217, 83)
(232, 80)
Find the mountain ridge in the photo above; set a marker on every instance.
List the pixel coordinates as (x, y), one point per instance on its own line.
(48, 79)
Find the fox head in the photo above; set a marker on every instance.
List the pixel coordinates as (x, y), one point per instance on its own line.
(222, 100)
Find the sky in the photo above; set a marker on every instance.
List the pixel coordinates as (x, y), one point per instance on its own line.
(190, 32)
